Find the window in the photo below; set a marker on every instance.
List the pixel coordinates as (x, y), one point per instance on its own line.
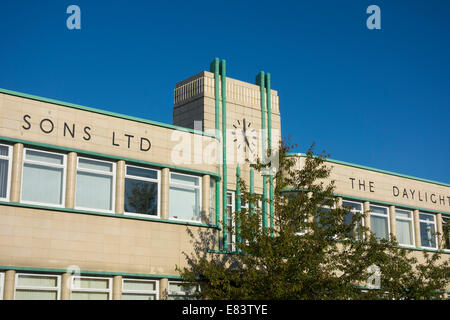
(404, 224)
(142, 191)
(91, 288)
(178, 291)
(185, 197)
(43, 177)
(231, 236)
(428, 230)
(133, 289)
(212, 201)
(379, 221)
(37, 287)
(355, 208)
(446, 229)
(2, 281)
(5, 171)
(95, 185)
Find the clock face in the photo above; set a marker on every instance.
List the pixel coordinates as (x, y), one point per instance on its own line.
(244, 135)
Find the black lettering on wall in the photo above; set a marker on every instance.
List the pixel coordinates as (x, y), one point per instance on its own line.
(43, 128)
(353, 180)
(149, 145)
(129, 137)
(371, 186)
(405, 193)
(86, 130)
(25, 117)
(412, 193)
(441, 200)
(420, 198)
(71, 132)
(113, 138)
(363, 184)
(431, 198)
(395, 191)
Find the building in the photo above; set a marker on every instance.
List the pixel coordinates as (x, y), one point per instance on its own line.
(95, 205)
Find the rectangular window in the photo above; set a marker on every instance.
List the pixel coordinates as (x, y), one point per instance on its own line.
(5, 171)
(37, 287)
(142, 191)
(231, 237)
(91, 288)
(405, 227)
(177, 291)
(428, 230)
(2, 284)
(379, 221)
(134, 289)
(43, 177)
(95, 186)
(185, 197)
(355, 208)
(446, 229)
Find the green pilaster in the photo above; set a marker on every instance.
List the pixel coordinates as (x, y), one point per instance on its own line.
(252, 190)
(260, 80)
(269, 128)
(223, 69)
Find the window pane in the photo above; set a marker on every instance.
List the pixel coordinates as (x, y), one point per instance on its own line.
(42, 184)
(427, 235)
(94, 191)
(37, 281)
(427, 217)
(134, 296)
(184, 204)
(139, 285)
(378, 210)
(95, 165)
(35, 295)
(351, 205)
(4, 151)
(3, 177)
(379, 226)
(44, 157)
(91, 283)
(402, 214)
(141, 196)
(186, 180)
(178, 288)
(89, 296)
(446, 228)
(140, 172)
(404, 232)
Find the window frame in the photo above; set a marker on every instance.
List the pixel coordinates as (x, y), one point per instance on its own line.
(411, 220)
(157, 180)
(141, 292)
(57, 288)
(185, 186)
(434, 223)
(174, 293)
(8, 158)
(352, 211)
(233, 207)
(2, 284)
(109, 291)
(112, 173)
(64, 171)
(443, 218)
(388, 231)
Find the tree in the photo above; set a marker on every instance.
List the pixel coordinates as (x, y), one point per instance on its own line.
(315, 250)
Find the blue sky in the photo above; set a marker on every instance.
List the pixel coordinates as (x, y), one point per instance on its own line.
(378, 98)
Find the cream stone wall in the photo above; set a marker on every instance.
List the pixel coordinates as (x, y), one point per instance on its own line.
(51, 239)
(378, 186)
(27, 119)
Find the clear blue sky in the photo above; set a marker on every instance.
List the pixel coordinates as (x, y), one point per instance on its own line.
(379, 98)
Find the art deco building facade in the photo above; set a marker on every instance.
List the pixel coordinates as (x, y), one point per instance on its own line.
(95, 205)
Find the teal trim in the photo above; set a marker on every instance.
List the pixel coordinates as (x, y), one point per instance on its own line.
(217, 204)
(251, 206)
(269, 128)
(103, 112)
(380, 202)
(223, 66)
(291, 154)
(108, 156)
(103, 214)
(91, 272)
